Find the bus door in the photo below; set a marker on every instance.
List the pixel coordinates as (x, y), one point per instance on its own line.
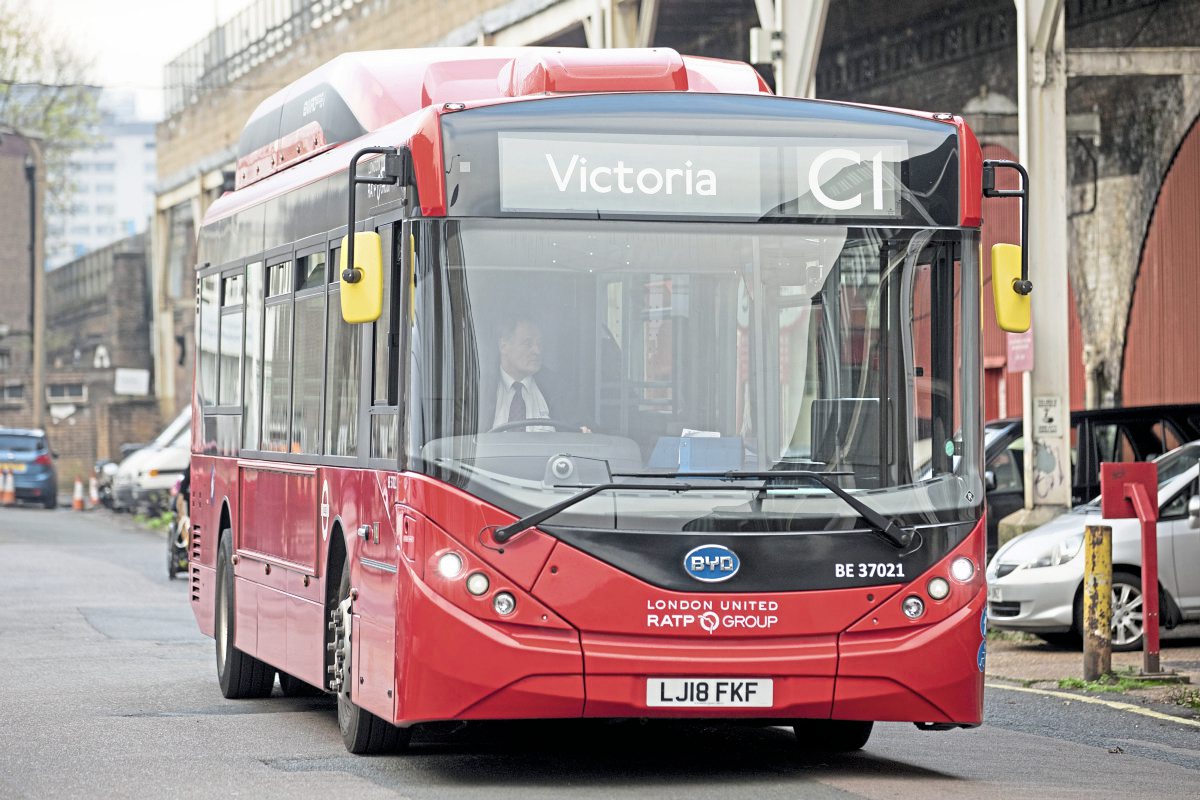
(379, 515)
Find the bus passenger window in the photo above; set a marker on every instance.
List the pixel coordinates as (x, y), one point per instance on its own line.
(252, 396)
(277, 375)
(308, 365)
(210, 321)
(229, 380)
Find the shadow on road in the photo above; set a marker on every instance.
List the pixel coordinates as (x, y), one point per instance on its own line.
(599, 753)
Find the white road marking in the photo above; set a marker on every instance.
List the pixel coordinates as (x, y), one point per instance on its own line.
(1114, 704)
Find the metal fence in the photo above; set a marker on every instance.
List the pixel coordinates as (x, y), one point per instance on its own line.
(261, 31)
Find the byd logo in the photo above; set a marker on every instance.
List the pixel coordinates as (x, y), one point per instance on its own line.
(711, 563)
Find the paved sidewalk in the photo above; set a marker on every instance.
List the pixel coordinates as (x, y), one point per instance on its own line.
(1031, 662)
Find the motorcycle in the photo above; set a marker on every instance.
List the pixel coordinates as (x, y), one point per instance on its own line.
(179, 531)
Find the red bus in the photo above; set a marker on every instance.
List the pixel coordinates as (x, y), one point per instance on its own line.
(644, 393)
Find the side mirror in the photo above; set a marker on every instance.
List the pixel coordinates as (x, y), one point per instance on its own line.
(1013, 311)
(362, 299)
(1193, 512)
(989, 480)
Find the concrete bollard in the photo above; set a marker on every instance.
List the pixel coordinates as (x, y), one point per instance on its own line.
(1097, 602)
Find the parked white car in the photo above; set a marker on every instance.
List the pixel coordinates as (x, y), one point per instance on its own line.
(127, 473)
(1035, 580)
(159, 471)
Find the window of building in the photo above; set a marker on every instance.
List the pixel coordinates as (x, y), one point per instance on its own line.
(5, 360)
(105, 188)
(66, 393)
(12, 393)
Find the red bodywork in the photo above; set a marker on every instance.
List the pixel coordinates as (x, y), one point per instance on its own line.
(578, 643)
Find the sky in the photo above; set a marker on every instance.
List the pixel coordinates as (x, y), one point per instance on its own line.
(129, 42)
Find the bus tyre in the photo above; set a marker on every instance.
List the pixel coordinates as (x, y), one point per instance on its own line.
(239, 674)
(292, 686)
(363, 733)
(831, 735)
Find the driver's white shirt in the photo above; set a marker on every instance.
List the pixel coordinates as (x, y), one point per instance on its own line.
(535, 404)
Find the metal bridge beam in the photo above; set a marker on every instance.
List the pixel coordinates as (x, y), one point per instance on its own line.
(1123, 61)
(1042, 111)
(794, 29)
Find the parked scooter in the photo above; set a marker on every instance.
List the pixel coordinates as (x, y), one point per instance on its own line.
(178, 533)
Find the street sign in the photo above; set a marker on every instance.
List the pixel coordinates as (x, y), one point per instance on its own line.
(1020, 351)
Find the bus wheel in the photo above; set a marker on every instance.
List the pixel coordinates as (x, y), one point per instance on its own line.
(239, 674)
(292, 686)
(831, 735)
(363, 733)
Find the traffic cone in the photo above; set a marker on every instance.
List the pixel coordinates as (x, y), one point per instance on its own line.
(7, 492)
(77, 498)
(93, 493)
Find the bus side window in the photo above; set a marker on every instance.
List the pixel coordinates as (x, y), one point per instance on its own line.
(343, 374)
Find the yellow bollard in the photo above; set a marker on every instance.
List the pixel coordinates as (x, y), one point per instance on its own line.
(1097, 602)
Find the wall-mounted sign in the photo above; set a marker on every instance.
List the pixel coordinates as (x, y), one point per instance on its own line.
(134, 382)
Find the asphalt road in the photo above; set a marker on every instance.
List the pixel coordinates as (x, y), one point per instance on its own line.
(109, 691)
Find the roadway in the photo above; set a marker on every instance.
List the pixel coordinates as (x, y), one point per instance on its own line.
(109, 691)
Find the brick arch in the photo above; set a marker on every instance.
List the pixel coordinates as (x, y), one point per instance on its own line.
(1161, 358)
(1002, 390)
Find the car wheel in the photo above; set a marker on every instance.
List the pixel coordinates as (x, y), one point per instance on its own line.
(239, 674)
(1127, 614)
(363, 733)
(831, 735)
(51, 502)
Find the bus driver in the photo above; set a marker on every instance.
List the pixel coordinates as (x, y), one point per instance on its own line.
(515, 394)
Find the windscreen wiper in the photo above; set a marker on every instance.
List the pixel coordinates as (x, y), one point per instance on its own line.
(886, 527)
(890, 529)
(502, 535)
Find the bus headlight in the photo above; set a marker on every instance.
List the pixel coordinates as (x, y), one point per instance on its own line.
(962, 569)
(478, 583)
(914, 607)
(938, 588)
(449, 565)
(504, 603)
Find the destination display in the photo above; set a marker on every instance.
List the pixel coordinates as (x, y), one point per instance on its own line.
(744, 158)
(706, 175)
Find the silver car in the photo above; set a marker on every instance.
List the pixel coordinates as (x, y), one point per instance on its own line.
(1035, 581)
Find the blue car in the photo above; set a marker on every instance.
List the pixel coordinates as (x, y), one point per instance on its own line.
(27, 454)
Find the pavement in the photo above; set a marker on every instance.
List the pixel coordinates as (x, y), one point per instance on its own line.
(1027, 661)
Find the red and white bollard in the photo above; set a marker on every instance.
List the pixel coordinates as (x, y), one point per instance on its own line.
(77, 497)
(93, 493)
(8, 492)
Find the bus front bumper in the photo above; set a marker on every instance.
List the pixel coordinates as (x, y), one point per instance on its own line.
(474, 670)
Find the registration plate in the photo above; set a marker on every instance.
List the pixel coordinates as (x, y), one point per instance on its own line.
(994, 594)
(13, 467)
(710, 692)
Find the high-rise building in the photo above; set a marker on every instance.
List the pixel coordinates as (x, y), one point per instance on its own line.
(112, 182)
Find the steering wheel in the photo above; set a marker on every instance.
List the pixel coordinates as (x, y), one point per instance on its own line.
(517, 424)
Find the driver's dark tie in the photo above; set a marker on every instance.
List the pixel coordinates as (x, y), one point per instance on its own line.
(516, 409)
